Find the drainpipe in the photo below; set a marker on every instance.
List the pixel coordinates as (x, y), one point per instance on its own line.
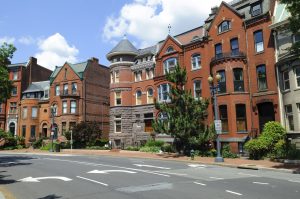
(280, 101)
(249, 79)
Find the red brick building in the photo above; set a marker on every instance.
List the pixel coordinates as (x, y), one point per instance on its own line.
(22, 75)
(79, 92)
(235, 42)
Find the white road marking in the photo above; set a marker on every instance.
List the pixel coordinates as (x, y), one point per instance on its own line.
(31, 179)
(294, 181)
(171, 173)
(261, 183)
(200, 183)
(150, 166)
(216, 178)
(247, 174)
(4, 163)
(111, 171)
(107, 165)
(197, 165)
(232, 192)
(92, 181)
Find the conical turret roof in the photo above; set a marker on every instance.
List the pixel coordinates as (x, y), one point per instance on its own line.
(123, 47)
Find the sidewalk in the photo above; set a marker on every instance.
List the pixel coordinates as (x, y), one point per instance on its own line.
(235, 163)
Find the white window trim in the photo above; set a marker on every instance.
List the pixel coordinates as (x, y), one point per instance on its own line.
(116, 104)
(149, 96)
(196, 56)
(296, 82)
(64, 107)
(166, 64)
(160, 93)
(136, 98)
(286, 71)
(115, 124)
(194, 83)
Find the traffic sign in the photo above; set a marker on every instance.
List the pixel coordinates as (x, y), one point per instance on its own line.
(218, 126)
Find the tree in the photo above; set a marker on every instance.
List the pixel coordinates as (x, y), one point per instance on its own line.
(86, 134)
(293, 7)
(183, 115)
(6, 53)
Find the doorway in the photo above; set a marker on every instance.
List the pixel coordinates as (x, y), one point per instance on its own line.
(12, 128)
(265, 114)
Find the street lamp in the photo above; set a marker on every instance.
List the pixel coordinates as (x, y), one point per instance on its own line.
(53, 111)
(218, 125)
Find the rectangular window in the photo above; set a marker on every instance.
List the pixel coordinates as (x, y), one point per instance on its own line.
(118, 124)
(196, 61)
(296, 37)
(117, 76)
(65, 107)
(224, 117)
(218, 51)
(256, 10)
(297, 73)
(14, 91)
(286, 80)
(234, 44)
(169, 65)
(150, 96)
(222, 81)
(13, 108)
(46, 94)
(289, 117)
(149, 73)
(138, 76)
(148, 117)
(197, 89)
(65, 89)
(34, 112)
(74, 88)
(57, 90)
(24, 113)
(241, 122)
(32, 131)
(64, 127)
(15, 75)
(261, 77)
(259, 42)
(238, 80)
(118, 98)
(111, 77)
(23, 131)
(73, 106)
(163, 92)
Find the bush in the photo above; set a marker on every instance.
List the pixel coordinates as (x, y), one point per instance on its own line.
(38, 143)
(257, 148)
(279, 150)
(152, 149)
(132, 148)
(167, 147)
(154, 143)
(101, 142)
(293, 153)
(97, 147)
(226, 152)
(208, 153)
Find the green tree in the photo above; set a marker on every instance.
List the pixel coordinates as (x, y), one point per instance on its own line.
(184, 115)
(86, 134)
(6, 53)
(293, 7)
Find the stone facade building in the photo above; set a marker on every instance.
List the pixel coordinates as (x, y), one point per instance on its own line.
(236, 42)
(22, 75)
(288, 73)
(80, 92)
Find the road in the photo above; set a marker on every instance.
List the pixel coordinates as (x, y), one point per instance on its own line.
(31, 176)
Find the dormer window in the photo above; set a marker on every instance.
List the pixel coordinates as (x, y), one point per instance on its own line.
(224, 26)
(256, 10)
(170, 49)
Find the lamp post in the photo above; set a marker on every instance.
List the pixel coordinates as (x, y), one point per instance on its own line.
(218, 126)
(53, 110)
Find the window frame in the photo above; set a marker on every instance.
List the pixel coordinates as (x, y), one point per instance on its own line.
(138, 76)
(64, 107)
(235, 82)
(15, 75)
(218, 52)
(259, 85)
(150, 97)
(32, 131)
(254, 13)
(199, 96)
(224, 120)
(289, 115)
(65, 89)
(13, 107)
(118, 97)
(196, 59)
(258, 41)
(162, 93)
(24, 112)
(297, 77)
(74, 87)
(243, 119)
(117, 76)
(166, 65)
(284, 81)
(138, 97)
(14, 91)
(222, 25)
(57, 90)
(34, 116)
(73, 109)
(118, 121)
(149, 73)
(221, 83)
(234, 51)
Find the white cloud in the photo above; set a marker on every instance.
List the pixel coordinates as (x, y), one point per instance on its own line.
(26, 40)
(55, 51)
(148, 20)
(6, 39)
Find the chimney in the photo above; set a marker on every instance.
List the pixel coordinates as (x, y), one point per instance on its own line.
(214, 10)
(33, 60)
(94, 59)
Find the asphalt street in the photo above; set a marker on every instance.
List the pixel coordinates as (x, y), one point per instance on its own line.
(31, 176)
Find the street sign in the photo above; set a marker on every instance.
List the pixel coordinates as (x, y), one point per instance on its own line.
(218, 126)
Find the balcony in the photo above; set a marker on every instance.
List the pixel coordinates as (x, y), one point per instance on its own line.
(228, 56)
(66, 93)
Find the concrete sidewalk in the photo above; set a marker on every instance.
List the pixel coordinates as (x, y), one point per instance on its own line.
(236, 163)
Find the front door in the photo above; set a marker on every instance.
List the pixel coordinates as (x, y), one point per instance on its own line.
(12, 128)
(265, 114)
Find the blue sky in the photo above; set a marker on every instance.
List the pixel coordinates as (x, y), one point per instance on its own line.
(56, 31)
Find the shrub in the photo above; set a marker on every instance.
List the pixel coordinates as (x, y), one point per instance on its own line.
(132, 148)
(167, 147)
(293, 153)
(257, 148)
(38, 143)
(154, 143)
(279, 150)
(152, 149)
(226, 152)
(97, 147)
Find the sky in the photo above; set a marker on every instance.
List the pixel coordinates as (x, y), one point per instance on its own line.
(56, 31)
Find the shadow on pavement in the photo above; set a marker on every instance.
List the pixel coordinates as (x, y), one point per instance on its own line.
(4, 180)
(53, 196)
(294, 167)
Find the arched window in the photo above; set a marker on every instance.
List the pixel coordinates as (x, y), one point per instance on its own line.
(224, 26)
(170, 49)
(138, 97)
(150, 96)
